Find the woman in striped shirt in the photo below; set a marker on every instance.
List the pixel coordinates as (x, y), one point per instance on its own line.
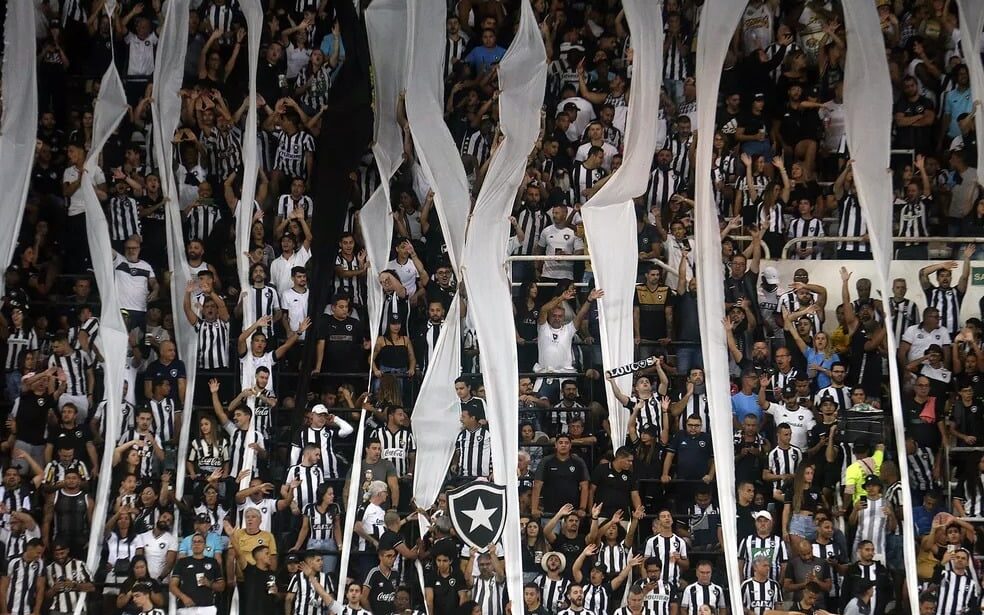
(209, 453)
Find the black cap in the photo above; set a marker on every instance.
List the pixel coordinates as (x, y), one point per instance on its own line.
(758, 96)
(789, 390)
(872, 479)
(599, 566)
(828, 398)
(293, 557)
(203, 518)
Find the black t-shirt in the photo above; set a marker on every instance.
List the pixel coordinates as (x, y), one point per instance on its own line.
(561, 481)
(171, 372)
(570, 547)
(693, 454)
(80, 435)
(613, 489)
(446, 590)
(32, 417)
(255, 592)
(811, 500)
(343, 344)
(926, 435)
(752, 123)
(189, 570)
(381, 590)
(913, 137)
(745, 523)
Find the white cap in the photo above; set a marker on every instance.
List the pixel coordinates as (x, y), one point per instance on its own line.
(770, 275)
(762, 514)
(319, 409)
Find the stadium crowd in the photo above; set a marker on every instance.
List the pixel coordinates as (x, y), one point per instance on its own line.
(632, 530)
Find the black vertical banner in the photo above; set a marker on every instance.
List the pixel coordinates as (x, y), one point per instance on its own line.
(346, 132)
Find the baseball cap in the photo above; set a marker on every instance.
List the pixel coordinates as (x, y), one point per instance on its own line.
(762, 514)
(828, 399)
(789, 390)
(203, 518)
(872, 479)
(319, 409)
(758, 96)
(770, 275)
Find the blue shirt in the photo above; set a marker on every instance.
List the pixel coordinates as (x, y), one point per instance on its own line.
(956, 103)
(742, 405)
(213, 545)
(327, 43)
(813, 357)
(923, 519)
(482, 58)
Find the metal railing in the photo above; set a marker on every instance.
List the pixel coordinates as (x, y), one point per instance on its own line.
(563, 257)
(932, 239)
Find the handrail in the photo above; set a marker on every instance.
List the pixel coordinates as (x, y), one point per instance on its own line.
(766, 253)
(831, 239)
(571, 257)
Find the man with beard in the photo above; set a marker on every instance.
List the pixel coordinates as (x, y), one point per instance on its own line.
(197, 579)
(263, 297)
(693, 400)
(160, 547)
(342, 343)
(425, 340)
(441, 287)
(943, 296)
(837, 389)
(560, 479)
(558, 239)
(866, 340)
(67, 580)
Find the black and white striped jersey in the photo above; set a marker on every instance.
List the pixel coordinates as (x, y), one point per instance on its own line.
(658, 600)
(583, 178)
(224, 151)
(971, 495)
(872, 524)
(397, 447)
(14, 544)
(287, 203)
(913, 218)
(292, 150)
(665, 547)
(354, 287)
(54, 471)
(841, 394)
(324, 438)
(264, 301)
(675, 58)
(213, 344)
(553, 593)
(72, 570)
(219, 17)
(827, 551)
(316, 95)
(208, 456)
(904, 314)
(532, 220)
(239, 440)
(680, 161)
(22, 586)
(454, 51)
(477, 145)
(202, 218)
(18, 341)
(164, 425)
(124, 218)
(758, 597)
(663, 184)
(145, 448)
(958, 594)
(73, 11)
(696, 595)
(321, 524)
(784, 461)
(75, 365)
(947, 301)
(798, 227)
(597, 597)
(474, 453)
(771, 547)
(490, 594)
(852, 224)
(306, 598)
(308, 477)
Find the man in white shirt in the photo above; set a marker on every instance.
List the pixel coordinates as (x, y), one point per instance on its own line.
(555, 340)
(141, 44)
(135, 282)
(295, 301)
(558, 239)
(585, 110)
(918, 338)
(76, 257)
(291, 256)
(799, 419)
(160, 547)
(410, 270)
(596, 137)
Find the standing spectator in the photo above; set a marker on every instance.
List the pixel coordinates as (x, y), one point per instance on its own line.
(763, 543)
(22, 586)
(196, 580)
(311, 591)
(136, 282)
(67, 580)
(944, 297)
(760, 592)
(322, 432)
(560, 479)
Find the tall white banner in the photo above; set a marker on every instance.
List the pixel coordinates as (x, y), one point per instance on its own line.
(109, 111)
(609, 215)
(435, 414)
(718, 21)
(522, 77)
(971, 25)
(244, 212)
(19, 126)
(386, 29)
(166, 114)
(869, 137)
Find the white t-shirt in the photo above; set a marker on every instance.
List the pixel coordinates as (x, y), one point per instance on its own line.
(76, 205)
(280, 269)
(141, 55)
(131, 282)
(920, 340)
(553, 239)
(554, 348)
(266, 507)
(585, 115)
(372, 521)
(800, 421)
(156, 549)
(296, 305)
(407, 273)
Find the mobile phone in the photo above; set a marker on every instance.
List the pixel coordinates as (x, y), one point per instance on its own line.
(864, 501)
